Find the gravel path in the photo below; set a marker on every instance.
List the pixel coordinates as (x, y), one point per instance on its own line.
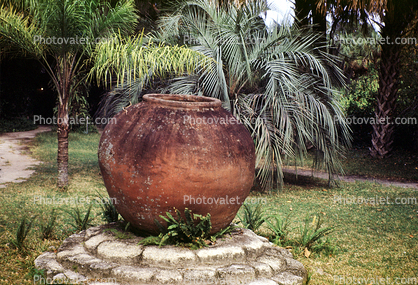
(14, 162)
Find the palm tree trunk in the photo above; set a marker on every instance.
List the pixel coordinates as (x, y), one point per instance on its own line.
(382, 137)
(63, 121)
(62, 157)
(398, 16)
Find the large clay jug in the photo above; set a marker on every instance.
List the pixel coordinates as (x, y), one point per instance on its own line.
(176, 151)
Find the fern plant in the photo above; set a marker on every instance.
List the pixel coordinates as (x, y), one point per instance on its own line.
(193, 232)
(253, 216)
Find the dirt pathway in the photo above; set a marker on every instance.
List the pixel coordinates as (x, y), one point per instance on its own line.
(352, 178)
(14, 163)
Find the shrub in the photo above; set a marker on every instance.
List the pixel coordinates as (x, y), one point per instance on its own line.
(16, 125)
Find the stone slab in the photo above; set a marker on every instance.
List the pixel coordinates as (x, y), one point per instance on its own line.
(221, 255)
(263, 281)
(286, 278)
(119, 251)
(93, 242)
(168, 256)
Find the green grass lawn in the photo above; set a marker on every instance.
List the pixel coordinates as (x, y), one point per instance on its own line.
(401, 166)
(370, 241)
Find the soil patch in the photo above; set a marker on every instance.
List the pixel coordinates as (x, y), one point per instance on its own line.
(15, 161)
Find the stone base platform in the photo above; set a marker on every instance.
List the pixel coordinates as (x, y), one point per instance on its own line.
(106, 255)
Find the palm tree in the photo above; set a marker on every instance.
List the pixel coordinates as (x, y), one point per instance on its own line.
(397, 18)
(277, 82)
(59, 34)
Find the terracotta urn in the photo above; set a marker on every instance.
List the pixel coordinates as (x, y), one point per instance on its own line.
(176, 151)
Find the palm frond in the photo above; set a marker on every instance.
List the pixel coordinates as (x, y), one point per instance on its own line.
(130, 58)
(20, 33)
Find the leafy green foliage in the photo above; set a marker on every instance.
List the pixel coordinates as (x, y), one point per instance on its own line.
(312, 232)
(253, 216)
(359, 99)
(81, 223)
(28, 28)
(48, 227)
(141, 64)
(356, 44)
(193, 232)
(22, 232)
(16, 125)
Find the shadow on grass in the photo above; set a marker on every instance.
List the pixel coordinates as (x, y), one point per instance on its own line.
(291, 179)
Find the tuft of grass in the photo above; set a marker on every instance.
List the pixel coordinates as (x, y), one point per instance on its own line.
(81, 222)
(48, 227)
(109, 212)
(252, 217)
(279, 227)
(22, 232)
(310, 233)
